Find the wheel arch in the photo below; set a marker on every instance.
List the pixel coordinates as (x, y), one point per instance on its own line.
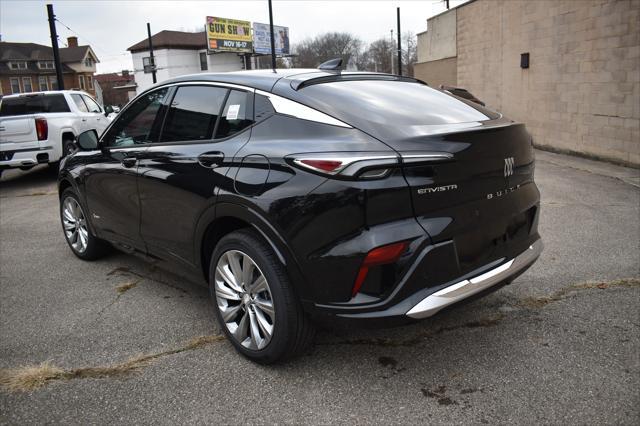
(229, 217)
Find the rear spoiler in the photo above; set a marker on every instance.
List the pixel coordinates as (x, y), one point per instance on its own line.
(300, 83)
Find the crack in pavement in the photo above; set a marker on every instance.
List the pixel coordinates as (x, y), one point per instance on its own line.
(621, 179)
(33, 194)
(29, 378)
(126, 270)
(388, 342)
(539, 302)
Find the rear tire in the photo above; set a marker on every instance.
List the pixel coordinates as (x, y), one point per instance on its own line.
(265, 303)
(76, 229)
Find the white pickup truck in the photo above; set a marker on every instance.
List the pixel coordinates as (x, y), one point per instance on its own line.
(37, 128)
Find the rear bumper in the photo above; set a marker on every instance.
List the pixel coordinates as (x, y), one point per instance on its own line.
(429, 301)
(433, 303)
(26, 157)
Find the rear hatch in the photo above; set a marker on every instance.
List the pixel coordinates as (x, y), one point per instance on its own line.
(470, 171)
(17, 115)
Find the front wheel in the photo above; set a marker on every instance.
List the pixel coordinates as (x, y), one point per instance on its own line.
(254, 302)
(76, 230)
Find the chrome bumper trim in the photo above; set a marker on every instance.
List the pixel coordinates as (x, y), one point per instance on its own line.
(466, 288)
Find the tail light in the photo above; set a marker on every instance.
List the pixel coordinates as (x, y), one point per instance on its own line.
(356, 165)
(42, 129)
(378, 256)
(362, 165)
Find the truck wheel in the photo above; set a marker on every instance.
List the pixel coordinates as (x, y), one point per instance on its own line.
(68, 148)
(254, 301)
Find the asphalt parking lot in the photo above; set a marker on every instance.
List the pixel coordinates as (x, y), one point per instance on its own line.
(559, 345)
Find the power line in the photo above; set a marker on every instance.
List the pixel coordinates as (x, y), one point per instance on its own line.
(85, 38)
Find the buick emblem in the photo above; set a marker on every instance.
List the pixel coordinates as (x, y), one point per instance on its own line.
(508, 166)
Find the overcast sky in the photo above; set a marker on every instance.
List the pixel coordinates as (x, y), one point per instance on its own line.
(110, 27)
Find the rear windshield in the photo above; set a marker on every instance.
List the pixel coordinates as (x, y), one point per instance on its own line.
(23, 105)
(394, 103)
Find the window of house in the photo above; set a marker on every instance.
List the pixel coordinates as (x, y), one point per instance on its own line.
(15, 85)
(193, 113)
(53, 82)
(88, 62)
(18, 65)
(237, 114)
(77, 99)
(203, 61)
(42, 83)
(46, 65)
(81, 81)
(139, 123)
(26, 84)
(90, 81)
(91, 104)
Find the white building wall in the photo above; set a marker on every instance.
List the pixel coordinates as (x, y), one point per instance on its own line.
(176, 62)
(439, 41)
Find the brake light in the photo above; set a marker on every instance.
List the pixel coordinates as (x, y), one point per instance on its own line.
(378, 256)
(42, 129)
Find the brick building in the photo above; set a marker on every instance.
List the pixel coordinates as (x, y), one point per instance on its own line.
(114, 88)
(581, 91)
(29, 67)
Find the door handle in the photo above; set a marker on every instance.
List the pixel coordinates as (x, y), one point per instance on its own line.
(84, 119)
(129, 162)
(211, 159)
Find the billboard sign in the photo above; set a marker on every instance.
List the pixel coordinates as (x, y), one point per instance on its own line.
(228, 35)
(262, 39)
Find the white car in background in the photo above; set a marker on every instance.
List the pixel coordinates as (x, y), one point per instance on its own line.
(40, 127)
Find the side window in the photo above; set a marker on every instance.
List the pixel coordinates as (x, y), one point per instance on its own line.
(193, 113)
(237, 114)
(91, 104)
(138, 124)
(262, 108)
(77, 99)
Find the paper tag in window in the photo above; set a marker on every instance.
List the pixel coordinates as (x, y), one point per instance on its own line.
(232, 112)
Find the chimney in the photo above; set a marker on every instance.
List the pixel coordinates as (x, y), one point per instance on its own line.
(125, 73)
(72, 41)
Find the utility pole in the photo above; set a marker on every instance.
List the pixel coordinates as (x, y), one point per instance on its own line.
(392, 51)
(273, 39)
(54, 46)
(153, 61)
(447, 3)
(399, 46)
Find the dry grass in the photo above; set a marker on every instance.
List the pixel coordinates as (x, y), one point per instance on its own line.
(28, 378)
(126, 286)
(539, 302)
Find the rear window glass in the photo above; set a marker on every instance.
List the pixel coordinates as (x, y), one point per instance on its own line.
(24, 105)
(393, 103)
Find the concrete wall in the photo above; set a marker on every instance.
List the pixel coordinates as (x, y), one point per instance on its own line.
(443, 71)
(582, 90)
(176, 62)
(439, 41)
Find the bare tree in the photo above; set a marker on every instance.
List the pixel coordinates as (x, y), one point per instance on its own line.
(409, 52)
(379, 55)
(312, 52)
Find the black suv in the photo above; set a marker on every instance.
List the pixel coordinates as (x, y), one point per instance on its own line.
(303, 195)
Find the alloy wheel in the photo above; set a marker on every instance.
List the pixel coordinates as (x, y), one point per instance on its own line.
(244, 300)
(75, 225)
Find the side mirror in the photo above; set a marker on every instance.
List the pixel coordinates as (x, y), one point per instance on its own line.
(108, 109)
(87, 141)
